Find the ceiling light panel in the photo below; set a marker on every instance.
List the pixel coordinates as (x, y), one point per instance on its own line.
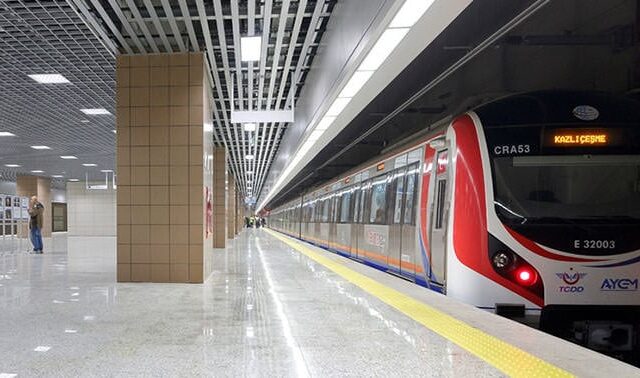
(49, 78)
(68, 157)
(249, 127)
(6, 134)
(250, 48)
(383, 48)
(90, 165)
(95, 111)
(338, 106)
(357, 81)
(41, 147)
(410, 13)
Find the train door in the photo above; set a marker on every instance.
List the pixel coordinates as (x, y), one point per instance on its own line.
(439, 213)
(356, 225)
(409, 252)
(395, 224)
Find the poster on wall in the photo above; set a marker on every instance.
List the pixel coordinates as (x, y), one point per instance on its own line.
(7, 201)
(16, 202)
(25, 208)
(7, 214)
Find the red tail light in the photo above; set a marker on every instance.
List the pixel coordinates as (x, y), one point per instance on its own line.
(526, 276)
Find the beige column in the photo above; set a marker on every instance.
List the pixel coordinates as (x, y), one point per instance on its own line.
(219, 197)
(163, 165)
(28, 186)
(239, 217)
(231, 211)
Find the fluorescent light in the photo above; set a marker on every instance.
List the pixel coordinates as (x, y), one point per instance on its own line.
(95, 111)
(249, 172)
(115, 131)
(325, 123)
(383, 48)
(249, 157)
(250, 48)
(6, 133)
(41, 147)
(84, 120)
(250, 127)
(90, 165)
(41, 348)
(68, 157)
(37, 171)
(57, 176)
(12, 165)
(74, 180)
(338, 106)
(315, 135)
(49, 78)
(356, 83)
(106, 170)
(410, 13)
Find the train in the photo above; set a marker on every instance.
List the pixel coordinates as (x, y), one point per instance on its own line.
(529, 203)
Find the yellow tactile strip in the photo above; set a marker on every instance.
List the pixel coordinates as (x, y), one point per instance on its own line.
(505, 357)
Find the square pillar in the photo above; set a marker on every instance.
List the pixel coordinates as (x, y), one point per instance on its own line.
(28, 186)
(164, 171)
(220, 183)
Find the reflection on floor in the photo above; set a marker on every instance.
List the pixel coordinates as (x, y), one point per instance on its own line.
(266, 311)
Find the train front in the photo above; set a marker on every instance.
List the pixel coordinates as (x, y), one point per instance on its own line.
(565, 220)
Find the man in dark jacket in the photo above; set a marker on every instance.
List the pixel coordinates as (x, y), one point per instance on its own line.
(36, 212)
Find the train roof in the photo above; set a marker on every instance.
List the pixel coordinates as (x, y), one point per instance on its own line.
(548, 107)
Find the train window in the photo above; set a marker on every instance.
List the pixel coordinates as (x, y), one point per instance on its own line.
(356, 207)
(345, 207)
(378, 208)
(441, 191)
(397, 210)
(410, 197)
(326, 210)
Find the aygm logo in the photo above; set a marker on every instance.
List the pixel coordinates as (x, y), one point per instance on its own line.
(619, 284)
(571, 280)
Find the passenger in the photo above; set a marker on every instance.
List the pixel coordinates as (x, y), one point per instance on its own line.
(379, 215)
(264, 222)
(258, 222)
(36, 212)
(247, 223)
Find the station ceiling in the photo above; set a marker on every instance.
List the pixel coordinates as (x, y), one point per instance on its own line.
(79, 39)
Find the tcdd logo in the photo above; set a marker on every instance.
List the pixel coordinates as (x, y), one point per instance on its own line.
(619, 284)
(571, 278)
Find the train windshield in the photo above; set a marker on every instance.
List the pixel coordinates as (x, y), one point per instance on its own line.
(567, 189)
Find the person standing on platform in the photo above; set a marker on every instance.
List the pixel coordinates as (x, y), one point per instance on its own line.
(36, 212)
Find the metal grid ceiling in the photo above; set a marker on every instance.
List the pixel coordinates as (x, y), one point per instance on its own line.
(38, 37)
(291, 31)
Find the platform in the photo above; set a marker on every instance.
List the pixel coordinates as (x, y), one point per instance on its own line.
(273, 307)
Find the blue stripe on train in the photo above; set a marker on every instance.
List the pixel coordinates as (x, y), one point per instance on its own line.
(419, 280)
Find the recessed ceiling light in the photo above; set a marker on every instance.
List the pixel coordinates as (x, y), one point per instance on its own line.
(84, 120)
(6, 133)
(338, 106)
(115, 131)
(90, 164)
(250, 48)
(357, 81)
(12, 165)
(41, 147)
(249, 127)
(249, 172)
(106, 170)
(95, 111)
(73, 180)
(68, 157)
(57, 176)
(410, 13)
(41, 348)
(49, 78)
(383, 48)
(37, 171)
(249, 157)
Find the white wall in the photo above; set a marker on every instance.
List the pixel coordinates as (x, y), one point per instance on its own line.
(58, 195)
(90, 212)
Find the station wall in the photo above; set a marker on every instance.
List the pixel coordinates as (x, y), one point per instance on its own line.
(90, 212)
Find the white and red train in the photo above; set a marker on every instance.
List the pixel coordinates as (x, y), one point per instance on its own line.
(531, 200)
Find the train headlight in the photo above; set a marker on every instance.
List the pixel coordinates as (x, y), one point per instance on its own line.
(501, 260)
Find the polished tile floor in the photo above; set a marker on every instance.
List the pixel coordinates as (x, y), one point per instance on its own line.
(267, 311)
